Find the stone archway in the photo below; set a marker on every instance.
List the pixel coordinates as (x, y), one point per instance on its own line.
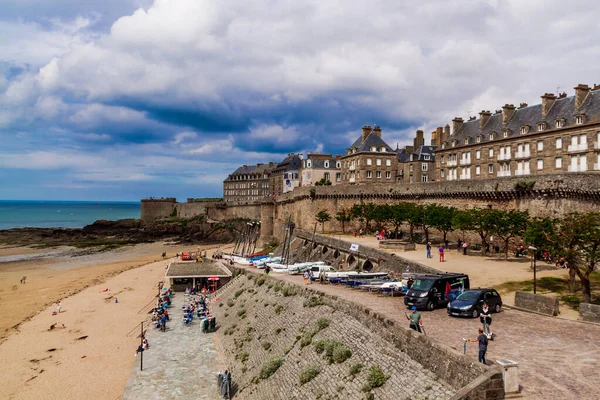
(350, 260)
(367, 266)
(325, 250)
(336, 254)
(315, 245)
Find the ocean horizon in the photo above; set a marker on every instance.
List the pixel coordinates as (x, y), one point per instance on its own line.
(63, 213)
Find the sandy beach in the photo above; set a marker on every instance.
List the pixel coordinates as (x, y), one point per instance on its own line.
(93, 355)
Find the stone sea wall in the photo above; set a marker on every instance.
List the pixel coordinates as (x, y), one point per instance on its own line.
(270, 333)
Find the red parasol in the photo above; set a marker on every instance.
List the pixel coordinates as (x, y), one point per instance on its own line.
(213, 278)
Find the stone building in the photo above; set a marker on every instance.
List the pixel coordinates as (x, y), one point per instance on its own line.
(248, 183)
(320, 166)
(285, 177)
(416, 163)
(369, 160)
(562, 134)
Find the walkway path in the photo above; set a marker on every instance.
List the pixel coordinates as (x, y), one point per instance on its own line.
(181, 363)
(558, 358)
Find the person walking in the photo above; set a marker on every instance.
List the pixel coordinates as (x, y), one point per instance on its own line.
(416, 322)
(267, 270)
(428, 249)
(59, 307)
(486, 319)
(464, 248)
(459, 245)
(441, 250)
(483, 343)
(306, 277)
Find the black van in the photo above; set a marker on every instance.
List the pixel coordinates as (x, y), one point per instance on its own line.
(435, 290)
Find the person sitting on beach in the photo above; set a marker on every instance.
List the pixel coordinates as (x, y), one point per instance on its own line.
(139, 350)
(145, 344)
(52, 326)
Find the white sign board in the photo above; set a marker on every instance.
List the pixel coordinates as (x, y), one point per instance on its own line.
(354, 247)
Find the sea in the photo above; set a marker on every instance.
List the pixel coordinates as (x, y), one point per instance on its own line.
(62, 214)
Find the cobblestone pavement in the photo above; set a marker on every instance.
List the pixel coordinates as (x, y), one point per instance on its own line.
(181, 363)
(557, 358)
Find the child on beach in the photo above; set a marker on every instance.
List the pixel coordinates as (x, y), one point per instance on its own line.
(59, 307)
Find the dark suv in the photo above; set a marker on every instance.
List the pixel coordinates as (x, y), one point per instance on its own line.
(470, 302)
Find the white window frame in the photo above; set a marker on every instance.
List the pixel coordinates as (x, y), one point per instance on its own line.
(478, 139)
(492, 136)
(369, 161)
(466, 140)
(424, 166)
(524, 130)
(378, 174)
(558, 163)
(540, 164)
(477, 170)
(579, 120)
(540, 145)
(491, 152)
(541, 126)
(478, 154)
(369, 174)
(388, 162)
(558, 143)
(388, 175)
(505, 134)
(490, 168)
(326, 164)
(378, 162)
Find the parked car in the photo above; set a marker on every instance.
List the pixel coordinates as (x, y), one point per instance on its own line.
(430, 291)
(469, 303)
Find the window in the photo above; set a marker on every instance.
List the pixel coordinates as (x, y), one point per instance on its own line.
(466, 140)
(540, 164)
(338, 177)
(369, 174)
(410, 167)
(424, 166)
(477, 170)
(478, 139)
(478, 154)
(378, 161)
(382, 149)
(560, 123)
(579, 119)
(338, 164)
(524, 130)
(492, 136)
(491, 154)
(558, 143)
(442, 173)
(410, 179)
(540, 145)
(558, 162)
(541, 126)
(373, 148)
(326, 164)
(424, 178)
(505, 133)
(368, 161)
(388, 175)
(443, 145)
(388, 162)
(454, 143)
(491, 168)
(378, 174)
(326, 176)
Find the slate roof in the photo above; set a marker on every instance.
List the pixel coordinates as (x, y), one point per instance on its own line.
(370, 141)
(258, 169)
(290, 163)
(561, 109)
(319, 163)
(418, 155)
(190, 269)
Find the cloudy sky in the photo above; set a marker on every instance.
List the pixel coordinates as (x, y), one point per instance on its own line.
(122, 99)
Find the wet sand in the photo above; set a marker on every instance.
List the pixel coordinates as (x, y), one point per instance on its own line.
(93, 355)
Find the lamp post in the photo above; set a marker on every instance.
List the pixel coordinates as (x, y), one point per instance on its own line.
(534, 268)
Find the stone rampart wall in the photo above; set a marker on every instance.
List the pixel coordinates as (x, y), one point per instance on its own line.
(156, 208)
(589, 312)
(537, 302)
(260, 319)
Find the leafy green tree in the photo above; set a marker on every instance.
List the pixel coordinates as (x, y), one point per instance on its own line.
(478, 220)
(381, 215)
(322, 217)
(343, 216)
(509, 225)
(397, 216)
(439, 217)
(414, 217)
(589, 251)
(323, 182)
(364, 212)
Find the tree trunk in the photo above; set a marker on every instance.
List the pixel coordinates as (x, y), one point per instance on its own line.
(323, 227)
(426, 231)
(572, 278)
(585, 289)
(343, 228)
(412, 239)
(483, 243)
(506, 248)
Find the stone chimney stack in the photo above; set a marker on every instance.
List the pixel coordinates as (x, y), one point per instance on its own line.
(581, 92)
(457, 123)
(446, 133)
(484, 117)
(548, 100)
(366, 131)
(419, 140)
(377, 130)
(437, 136)
(507, 112)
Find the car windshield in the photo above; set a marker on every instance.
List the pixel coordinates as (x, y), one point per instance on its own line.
(469, 296)
(422, 284)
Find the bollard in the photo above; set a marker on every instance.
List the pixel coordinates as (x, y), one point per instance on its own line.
(116, 300)
(464, 346)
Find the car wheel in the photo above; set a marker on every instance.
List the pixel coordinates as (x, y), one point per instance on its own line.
(431, 306)
(498, 308)
(475, 313)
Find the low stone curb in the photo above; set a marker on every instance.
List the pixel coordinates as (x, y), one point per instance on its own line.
(546, 315)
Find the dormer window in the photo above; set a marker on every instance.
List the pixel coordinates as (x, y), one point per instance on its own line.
(466, 140)
(308, 164)
(454, 142)
(541, 126)
(478, 139)
(492, 136)
(579, 120)
(382, 149)
(444, 145)
(559, 123)
(426, 158)
(505, 134)
(338, 164)
(524, 129)
(326, 164)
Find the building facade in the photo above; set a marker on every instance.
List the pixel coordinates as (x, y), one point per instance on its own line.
(285, 177)
(416, 163)
(562, 134)
(248, 183)
(369, 160)
(320, 167)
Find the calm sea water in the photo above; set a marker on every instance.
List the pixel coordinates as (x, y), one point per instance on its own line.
(62, 214)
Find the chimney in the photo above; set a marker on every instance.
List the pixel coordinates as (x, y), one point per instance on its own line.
(507, 112)
(446, 133)
(366, 131)
(548, 100)
(377, 130)
(437, 136)
(581, 92)
(484, 117)
(419, 140)
(457, 123)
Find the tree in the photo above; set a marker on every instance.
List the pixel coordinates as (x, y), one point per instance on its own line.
(365, 212)
(440, 218)
(343, 216)
(322, 217)
(397, 216)
(479, 220)
(323, 182)
(509, 225)
(381, 215)
(414, 217)
(589, 250)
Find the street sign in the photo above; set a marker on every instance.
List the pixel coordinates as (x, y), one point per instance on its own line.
(354, 247)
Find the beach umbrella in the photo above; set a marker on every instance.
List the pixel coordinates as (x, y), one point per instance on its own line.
(213, 278)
